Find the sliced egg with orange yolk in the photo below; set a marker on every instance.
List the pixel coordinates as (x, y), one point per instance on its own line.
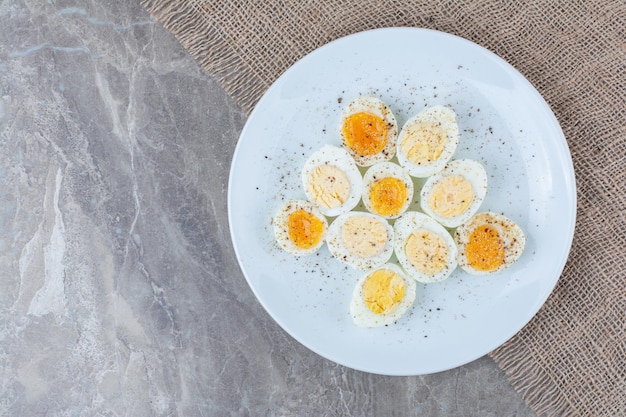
(387, 190)
(489, 242)
(299, 227)
(454, 194)
(332, 181)
(424, 248)
(427, 141)
(381, 296)
(369, 131)
(361, 240)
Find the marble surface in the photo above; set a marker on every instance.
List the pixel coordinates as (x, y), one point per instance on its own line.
(120, 294)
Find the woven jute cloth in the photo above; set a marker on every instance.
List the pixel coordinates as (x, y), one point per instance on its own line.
(570, 360)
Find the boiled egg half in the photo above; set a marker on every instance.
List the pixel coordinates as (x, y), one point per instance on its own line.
(361, 240)
(387, 190)
(382, 296)
(428, 141)
(369, 130)
(299, 227)
(489, 242)
(424, 248)
(332, 180)
(454, 194)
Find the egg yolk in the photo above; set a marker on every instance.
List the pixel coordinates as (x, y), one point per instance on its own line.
(305, 230)
(424, 143)
(329, 185)
(388, 196)
(484, 250)
(365, 133)
(382, 291)
(427, 251)
(451, 196)
(364, 236)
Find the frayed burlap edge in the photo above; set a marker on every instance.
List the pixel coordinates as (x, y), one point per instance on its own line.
(530, 379)
(199, 36)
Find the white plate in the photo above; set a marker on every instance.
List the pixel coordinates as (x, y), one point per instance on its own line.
(504, 123)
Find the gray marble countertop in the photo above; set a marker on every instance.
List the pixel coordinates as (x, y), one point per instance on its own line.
(120, 294)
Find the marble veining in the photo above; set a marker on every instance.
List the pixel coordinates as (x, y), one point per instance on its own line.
(120, 294)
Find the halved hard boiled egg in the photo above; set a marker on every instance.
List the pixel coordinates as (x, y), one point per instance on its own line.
(489, 242)
(387, 190)
(424, 248)
(332, 180)
(454, 194)
(427, 141)
(369, 130)
(382, 296)
(361, 240)
(299, 227)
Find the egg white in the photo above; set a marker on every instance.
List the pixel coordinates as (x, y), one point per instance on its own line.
(473, 172)
(338, 249)
(404, 227)
(364, 317)
(386, 170)
(437, 115)
(281, 228)
(377, 107)
(513, 239)
(339, 157)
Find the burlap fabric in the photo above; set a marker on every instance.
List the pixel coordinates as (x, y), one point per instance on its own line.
(570, 360)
